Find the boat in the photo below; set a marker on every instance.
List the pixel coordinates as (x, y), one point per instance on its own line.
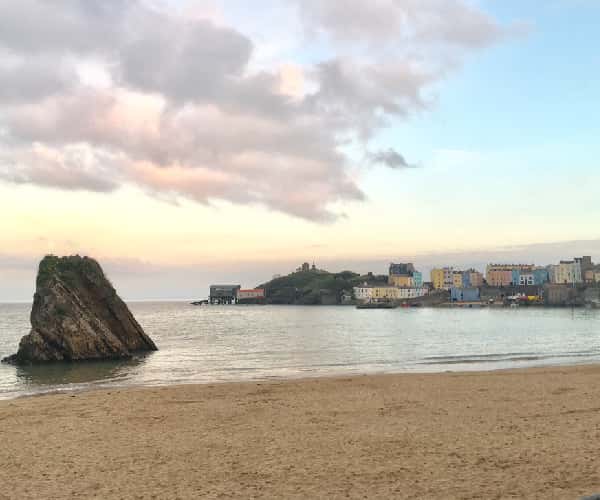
(199, 302)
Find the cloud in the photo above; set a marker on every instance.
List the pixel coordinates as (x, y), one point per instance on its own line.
(389, 158)
(70, 168)
(453, 22)
(36, 78)
(96, 95)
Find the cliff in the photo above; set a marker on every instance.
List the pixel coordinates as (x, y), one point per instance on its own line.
(77, 315)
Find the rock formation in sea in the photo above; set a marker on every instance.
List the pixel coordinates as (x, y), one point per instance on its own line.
(77, 315)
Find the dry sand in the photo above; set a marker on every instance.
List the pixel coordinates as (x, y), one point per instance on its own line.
(514, 434)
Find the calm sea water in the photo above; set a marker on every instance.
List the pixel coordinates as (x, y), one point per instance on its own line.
(226, 343)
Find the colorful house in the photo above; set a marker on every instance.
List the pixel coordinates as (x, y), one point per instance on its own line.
(566, 272)
(475, 278)
(501, 275)
(400, 280)
(251, 294)
(442, 278)
(404, 275)
(412, 292)
(417, 279)
(382, 293)
(467, 279)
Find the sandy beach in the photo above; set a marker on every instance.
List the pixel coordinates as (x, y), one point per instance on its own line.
(510, 434)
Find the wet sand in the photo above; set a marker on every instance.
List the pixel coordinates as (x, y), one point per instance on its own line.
(511, 434)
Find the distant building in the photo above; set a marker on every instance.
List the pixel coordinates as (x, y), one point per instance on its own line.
(346, 298)
(362, 293)
(498, 277)
(464, 294)
(412, 292)
(223, 294)
(501, 275)
(404, 275)
(253, 294)
(398, 280)
(467, 279)
(541, 276)
(522, 277)
(383, 292)
(585, 264)
(442, 278)
(592, 275)
(401, 269)
(475, 278)
(368, 293)
(566, 272)
(559, 295)
(457, 279)
(571, 272)
(417, 279)
(530, 276)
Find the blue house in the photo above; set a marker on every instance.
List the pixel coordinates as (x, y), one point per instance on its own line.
(417, 279)
(466, 279)
(464, 294)
(516, 277)
(541, 276)
(537, 276)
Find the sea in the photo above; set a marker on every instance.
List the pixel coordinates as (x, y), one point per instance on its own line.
(212, 344)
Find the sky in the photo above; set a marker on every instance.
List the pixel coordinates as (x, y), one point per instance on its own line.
(184, 142)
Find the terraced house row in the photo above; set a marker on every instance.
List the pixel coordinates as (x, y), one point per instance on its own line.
(569, 272)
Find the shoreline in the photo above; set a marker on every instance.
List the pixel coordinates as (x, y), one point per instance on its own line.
(528, 433)
(299, 378)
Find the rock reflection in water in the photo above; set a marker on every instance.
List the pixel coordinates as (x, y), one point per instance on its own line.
(78, 373)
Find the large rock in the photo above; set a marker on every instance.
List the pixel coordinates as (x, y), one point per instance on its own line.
(77, 315)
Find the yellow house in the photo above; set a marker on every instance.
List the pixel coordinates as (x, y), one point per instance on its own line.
(398, 280)
(437, 278)
(385, 293)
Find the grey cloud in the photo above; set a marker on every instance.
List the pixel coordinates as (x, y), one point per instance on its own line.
(360, 98)
(389, 158)
(430, 21)
(70, 169)
(73, 26)
(33, 80)
(185, 61)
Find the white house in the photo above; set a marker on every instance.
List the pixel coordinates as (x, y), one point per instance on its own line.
(412, 292)
(566, 272)
(366, 293)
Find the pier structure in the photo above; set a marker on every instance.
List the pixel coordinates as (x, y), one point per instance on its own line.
(224, 294)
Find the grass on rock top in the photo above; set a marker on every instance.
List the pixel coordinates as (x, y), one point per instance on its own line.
(69, 269)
